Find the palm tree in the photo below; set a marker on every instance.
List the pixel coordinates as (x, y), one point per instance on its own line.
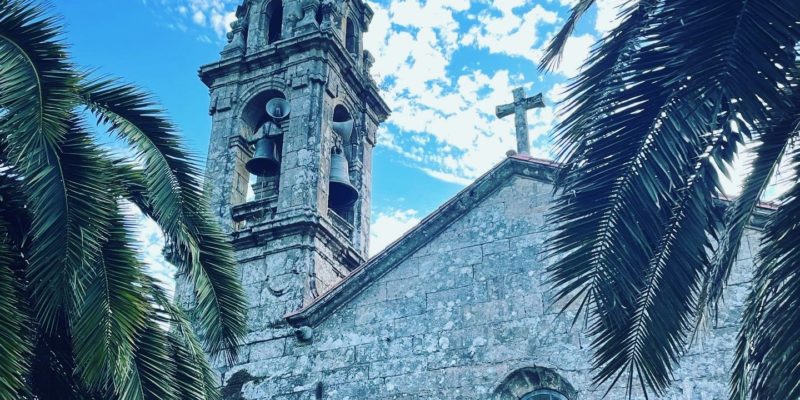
(662, 106)
(80, 316)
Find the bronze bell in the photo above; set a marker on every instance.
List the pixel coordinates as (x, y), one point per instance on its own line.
(342, 193)
(265, 161)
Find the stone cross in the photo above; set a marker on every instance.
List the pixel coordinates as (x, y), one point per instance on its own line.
(519, 108)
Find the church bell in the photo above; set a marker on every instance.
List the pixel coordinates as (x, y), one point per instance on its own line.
(343, 129)
(264, 161)
(342, 193)
(278, 108)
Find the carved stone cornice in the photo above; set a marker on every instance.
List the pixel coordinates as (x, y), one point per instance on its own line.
(321, 46)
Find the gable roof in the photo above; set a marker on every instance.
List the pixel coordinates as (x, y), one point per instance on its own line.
(430, 227)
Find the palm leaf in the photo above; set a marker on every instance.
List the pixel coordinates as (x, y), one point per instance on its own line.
(152, 369)
(36, 92)
(589, 97)
(194, 377)
(80, 180)
(768, 155)
(636, 209)
(176, 202)
(36, 81)
(112, 313)
(552, 56)
(15, 343)
(770, 335)
(53, 366)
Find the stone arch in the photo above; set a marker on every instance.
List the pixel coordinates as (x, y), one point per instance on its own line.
(530, 379)
(252, 115)
(343, 111)
(342, 114)
(251, 111)
(273, 20)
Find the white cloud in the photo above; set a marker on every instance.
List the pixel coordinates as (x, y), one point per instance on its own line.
(214, 14)
(221, 21)
(388, 226)
(443, 118)
(511, 34)
(199, 18)
(443, 110)
(607, 15)
(575, 54)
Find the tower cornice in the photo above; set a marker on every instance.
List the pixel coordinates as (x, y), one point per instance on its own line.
(299, 222)
(325, 44)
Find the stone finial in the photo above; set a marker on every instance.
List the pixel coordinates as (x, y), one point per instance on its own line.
(294, 13)
(309, 21)
(237, 37)
(369, 61)
(332, 11)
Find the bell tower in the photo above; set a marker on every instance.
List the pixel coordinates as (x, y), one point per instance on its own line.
(294, 116)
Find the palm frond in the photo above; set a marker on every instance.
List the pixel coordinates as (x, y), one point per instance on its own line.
(172, 174)
(153, 367)
(770, 334)
(194, 377)
(36, 93)
(15, 342)
(588, 91)
(177, 204)
(113, 311)
(36, 80)
(552, 56)
(635, 213)
(68, 239)
(53, 366)
(767, 157)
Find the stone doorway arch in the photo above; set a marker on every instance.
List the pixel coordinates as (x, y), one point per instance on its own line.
(526, 380)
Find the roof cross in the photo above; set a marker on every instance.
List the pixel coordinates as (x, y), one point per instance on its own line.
(519, 108)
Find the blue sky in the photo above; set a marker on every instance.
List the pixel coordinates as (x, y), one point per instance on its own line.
(442, 67)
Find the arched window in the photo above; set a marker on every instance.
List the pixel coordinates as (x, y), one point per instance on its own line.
(544, 394)
(350, 37)
(274, 21)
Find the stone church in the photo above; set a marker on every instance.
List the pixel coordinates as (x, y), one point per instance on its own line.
(457, 308)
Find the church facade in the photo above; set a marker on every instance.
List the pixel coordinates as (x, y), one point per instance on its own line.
(458, 308)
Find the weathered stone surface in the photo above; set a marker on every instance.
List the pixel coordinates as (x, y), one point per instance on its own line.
(458, 309)
(457, 324)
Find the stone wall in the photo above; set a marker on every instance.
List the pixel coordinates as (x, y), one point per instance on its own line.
(458, 318)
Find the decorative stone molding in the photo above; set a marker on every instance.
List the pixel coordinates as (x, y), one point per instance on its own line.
(304, 334)
(526, 380)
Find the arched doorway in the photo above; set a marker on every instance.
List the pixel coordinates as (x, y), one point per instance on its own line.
(535, 383)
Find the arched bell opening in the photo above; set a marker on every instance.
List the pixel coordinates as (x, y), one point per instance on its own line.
(342, 194)
(274, 15)
(262, 118)
(350, 37)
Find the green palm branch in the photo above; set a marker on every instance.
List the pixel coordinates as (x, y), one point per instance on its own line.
(664, 104)
(83, 319)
